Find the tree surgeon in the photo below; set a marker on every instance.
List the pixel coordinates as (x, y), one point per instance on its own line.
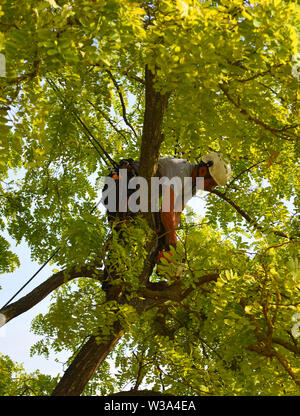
(213, 170)
(178, 181)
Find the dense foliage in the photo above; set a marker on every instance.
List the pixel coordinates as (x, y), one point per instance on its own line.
(229, 70)
(14, 381)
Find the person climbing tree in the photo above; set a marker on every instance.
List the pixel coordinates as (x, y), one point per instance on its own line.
(213, 170)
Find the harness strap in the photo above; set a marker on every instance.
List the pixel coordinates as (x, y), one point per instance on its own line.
(115, 173)
(197, 172)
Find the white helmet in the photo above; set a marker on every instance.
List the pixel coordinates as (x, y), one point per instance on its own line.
(219, 168)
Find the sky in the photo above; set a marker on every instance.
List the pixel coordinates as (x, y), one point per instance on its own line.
(16, 337)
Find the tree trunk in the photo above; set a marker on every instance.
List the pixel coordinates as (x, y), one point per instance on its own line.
(92, 354)
(86, 363)
(155, 105)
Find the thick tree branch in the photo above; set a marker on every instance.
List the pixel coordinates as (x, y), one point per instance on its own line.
(257, 75)
(277, 132)
(267, 351)
(250, 220)
(161, 291)
(155, 106)
(44, 289)
(242, 173)
(86, 363)
(286, 345)
(287, 367)
(92, 355)
(10, 25)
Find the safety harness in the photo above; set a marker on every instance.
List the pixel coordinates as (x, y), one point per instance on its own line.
(197, 173)
(132, 170)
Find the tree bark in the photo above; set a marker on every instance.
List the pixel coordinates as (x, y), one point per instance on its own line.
(92, 354)
(44, 289)
(86, 363)
(155, 106)
(250, 220)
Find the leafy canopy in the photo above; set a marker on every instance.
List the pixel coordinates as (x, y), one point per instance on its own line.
(228, 68)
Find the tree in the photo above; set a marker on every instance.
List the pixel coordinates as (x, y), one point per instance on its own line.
(15, 382)
(89, 82)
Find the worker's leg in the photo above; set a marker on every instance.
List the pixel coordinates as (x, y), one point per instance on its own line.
(170, 220)
(169, 217)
